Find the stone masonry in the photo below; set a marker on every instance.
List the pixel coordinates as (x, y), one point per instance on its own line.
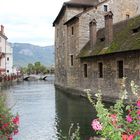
(72, 33)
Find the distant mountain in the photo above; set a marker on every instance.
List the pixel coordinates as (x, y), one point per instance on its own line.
(24, 53)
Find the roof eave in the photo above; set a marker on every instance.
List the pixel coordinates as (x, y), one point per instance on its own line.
(59, 14)
(72, 19)
(106, 54)
(72, 5)
(80, 5)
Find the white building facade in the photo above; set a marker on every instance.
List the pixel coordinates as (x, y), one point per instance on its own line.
(9, 59)
(6, 54)
(3, 42)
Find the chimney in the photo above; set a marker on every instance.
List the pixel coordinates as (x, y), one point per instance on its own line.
(109, 28)
(2, 29)
(92, 33)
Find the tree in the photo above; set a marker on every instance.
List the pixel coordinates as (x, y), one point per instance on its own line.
(37, 66)
(23, 70)
(30, 68)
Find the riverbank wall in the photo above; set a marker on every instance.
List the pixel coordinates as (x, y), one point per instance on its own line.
(8, 80)
(81, 93)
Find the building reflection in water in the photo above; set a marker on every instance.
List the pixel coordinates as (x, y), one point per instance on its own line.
(73, 109)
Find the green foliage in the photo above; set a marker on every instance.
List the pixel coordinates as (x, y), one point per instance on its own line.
(72, 134)
(8, 122)
(36, 68)
(118, 120)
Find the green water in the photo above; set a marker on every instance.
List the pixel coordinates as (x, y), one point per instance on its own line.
(73, 109)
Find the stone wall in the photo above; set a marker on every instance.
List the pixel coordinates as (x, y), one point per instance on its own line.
(119, 8)
(67, 44)
(61, 47)
(84, 21)
(110, 83)
(73, 44)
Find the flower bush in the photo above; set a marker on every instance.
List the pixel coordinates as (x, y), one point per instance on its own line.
(119, 122)
(8, 122)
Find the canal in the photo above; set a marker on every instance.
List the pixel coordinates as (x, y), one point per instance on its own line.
(46, 113)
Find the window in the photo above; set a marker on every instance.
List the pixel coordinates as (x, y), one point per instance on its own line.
(135, 30)
(71, 60)
(127, 16)
(102, 39)
(7, 58)
(72, 30)
(105, 8)
(100, 67)
(85, 70)
(120, 69)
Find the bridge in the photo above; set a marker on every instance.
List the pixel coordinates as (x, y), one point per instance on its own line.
(34, 77)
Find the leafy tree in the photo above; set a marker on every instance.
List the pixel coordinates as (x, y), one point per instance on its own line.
(37, 68)
(23, 70)
(30, 68)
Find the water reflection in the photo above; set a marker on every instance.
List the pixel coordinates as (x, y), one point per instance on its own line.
(44, 111)
(71, 109)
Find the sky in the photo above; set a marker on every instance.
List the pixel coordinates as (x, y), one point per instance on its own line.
(29, 21)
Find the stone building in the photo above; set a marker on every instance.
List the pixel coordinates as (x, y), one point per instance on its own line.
(97, 44)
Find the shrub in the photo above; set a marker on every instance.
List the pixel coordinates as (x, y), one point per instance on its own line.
(119, 122)
(8, 122)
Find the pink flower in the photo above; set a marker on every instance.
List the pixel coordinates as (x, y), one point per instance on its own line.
(130, 137)
(16, 120)
(129, 118)
(138, 132)
(16, 132)
(10, 138)
(127, 137)
(5, 125)
(113, 118)
(138, 103)
(138, 112)
(96, 125)
(124, 137)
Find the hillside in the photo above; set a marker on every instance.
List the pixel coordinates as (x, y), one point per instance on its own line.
(24, 53)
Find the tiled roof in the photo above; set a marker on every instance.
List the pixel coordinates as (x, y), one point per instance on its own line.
(126, 37)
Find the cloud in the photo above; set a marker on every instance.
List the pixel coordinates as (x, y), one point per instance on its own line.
(29, 20)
